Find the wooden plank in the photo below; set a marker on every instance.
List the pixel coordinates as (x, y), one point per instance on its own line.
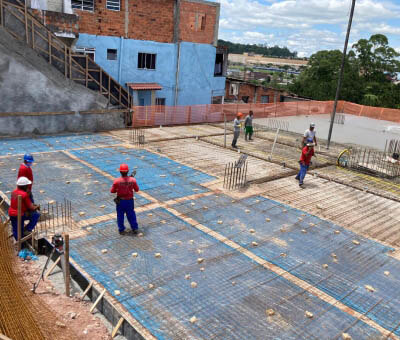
(26, 23)
(98, 300)
(19, 223)
(66, 259)
(117, 326)
(33, 34)
(10, 114)
(3, 337)
(87, 290)
(86, 70)
(65, 61)
(53, 266)
(109, 89)
(1, 13)
(49, 42)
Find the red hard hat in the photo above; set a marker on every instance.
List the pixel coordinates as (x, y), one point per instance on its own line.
(123, 168)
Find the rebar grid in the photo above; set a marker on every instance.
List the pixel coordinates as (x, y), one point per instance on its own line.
(374, 162)
(270, 124)
(138, 137)
(339, 119)
(23, 315)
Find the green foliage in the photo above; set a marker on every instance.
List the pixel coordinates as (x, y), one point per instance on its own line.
(368, 71)
(274, 51)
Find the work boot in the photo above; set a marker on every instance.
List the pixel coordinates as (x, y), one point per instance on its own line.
(123, 232)
(135, 231)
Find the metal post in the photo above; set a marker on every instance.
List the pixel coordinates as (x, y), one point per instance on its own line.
(19, 222)
(66, 265)
(224, 129)
(273, 145)
(341, 72)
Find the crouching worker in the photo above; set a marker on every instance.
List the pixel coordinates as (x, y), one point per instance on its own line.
(124, 187)
(29, 211)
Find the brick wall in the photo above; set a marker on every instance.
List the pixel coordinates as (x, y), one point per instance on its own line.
(58, 22)
(147, 20)
(197, 22)
(151, 20)
(254, 92)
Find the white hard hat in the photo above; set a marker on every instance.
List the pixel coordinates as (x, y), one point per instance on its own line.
(312, 124)
(23, 181)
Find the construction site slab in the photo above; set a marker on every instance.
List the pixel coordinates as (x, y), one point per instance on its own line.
(210, 266)
(170, 132)
(262, 148)
(212, 159)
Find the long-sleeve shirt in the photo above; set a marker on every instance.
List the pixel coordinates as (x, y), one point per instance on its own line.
(236, 125)
(26, 171)
(124, 187)
(26, 203)
(248, 121)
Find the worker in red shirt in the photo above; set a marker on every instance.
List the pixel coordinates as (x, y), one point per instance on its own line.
(305, 160)
(124, 187)
(29, 211)
(25, 170)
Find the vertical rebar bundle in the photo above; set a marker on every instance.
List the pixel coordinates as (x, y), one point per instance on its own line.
(374, 162)
(339, 118)
(138, 137)
(392, 146)
(272, 124)
(56, 217)
(236, 174)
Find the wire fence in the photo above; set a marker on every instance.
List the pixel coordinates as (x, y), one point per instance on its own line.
(216, 113)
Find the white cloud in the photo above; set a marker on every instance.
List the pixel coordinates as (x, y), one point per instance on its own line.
(297, 23)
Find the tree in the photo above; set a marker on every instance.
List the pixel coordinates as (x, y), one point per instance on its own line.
(376, 58)
(369, 70)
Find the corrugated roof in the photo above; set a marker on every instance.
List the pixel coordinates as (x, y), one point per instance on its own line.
(144, 86)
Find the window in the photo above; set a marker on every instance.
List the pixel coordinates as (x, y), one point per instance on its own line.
(90, 51)
(264, 99)
(111, 54)
(113, 5)
(160, 103)
(147, 61)
(199, 22)
(84, 5)
(234, 89)
(219, 65)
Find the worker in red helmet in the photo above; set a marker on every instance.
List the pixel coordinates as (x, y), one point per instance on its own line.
(124, 187)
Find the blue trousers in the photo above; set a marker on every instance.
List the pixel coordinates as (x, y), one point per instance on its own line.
(126, 207)
(302, 173)
(33, 219)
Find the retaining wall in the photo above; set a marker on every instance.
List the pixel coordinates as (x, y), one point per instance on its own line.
(27, 123)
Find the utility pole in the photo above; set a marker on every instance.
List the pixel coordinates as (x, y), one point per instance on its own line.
(339, 86)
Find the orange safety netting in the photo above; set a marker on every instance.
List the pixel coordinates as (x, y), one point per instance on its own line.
(216, 113)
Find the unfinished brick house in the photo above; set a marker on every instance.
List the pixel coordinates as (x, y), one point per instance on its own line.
(247, 92)
(164, 51)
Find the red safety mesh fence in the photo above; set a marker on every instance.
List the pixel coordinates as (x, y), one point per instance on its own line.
(214, 113)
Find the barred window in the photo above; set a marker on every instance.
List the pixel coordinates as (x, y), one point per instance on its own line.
(113, 5)
(84, 5)
(147, 61)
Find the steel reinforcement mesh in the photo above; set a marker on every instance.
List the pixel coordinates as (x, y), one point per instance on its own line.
(16, 316)
(23, 315)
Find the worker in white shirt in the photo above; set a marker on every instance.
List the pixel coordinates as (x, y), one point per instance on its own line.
(309, 136)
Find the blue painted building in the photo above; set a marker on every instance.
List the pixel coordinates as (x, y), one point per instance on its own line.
(165, 53)
(185, 71)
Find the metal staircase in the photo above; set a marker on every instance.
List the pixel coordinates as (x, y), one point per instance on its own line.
(21, 24)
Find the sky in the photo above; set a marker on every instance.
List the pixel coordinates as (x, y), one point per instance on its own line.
(307, 26)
